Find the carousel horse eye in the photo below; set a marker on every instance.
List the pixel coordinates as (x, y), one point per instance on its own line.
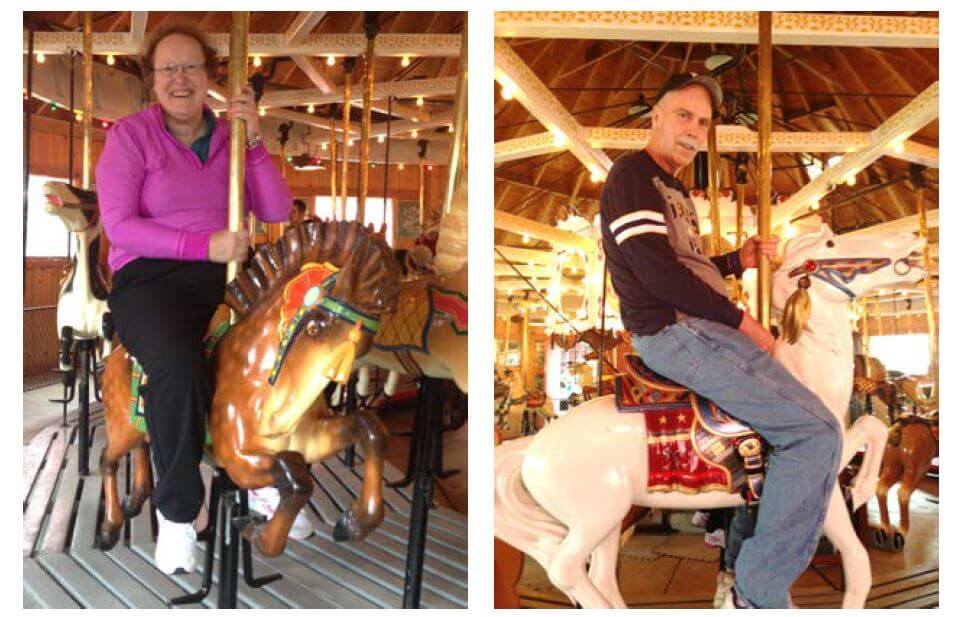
(830, 243)
(315, 326)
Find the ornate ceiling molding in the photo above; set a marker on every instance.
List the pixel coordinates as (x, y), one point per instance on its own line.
(729, 138)
(831, 29)
(266, 44)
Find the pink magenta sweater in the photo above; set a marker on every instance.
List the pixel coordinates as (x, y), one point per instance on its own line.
(157, 200)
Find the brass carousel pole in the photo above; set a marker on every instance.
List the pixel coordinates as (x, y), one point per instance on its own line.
(87, 99)
(237, 79)
(333, 160)
(740, 205)
(524, 347)
(864, 335)
(457, 165)
(348, 66)
(371, 31)
(714, 219)
(931, 326)
(422, 165)
(764, 173)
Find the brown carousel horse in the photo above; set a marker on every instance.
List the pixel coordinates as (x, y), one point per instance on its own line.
(307, 307)
(913, 443)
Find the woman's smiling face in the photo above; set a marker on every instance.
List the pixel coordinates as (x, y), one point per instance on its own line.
(179, 77)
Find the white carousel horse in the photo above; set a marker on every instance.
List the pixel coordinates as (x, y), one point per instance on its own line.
(82, 299)
(560, 495)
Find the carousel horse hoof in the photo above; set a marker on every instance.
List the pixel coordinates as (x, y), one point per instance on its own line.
(108, 537)
(251, 528)
(131, 506)
(349, 528)
(879, 536)
(898, 542)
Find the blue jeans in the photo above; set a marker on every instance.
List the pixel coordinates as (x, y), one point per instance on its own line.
(725, 366)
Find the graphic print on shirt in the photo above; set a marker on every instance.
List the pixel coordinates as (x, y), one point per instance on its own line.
(685, 222)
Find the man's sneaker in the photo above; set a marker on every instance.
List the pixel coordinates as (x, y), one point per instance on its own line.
(724, 584)
(265, 501)
(175, 546)
(715, 538)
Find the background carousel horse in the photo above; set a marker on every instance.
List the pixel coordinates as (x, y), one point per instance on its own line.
(912, 445)
(307, 307)
(520, 412)
(560, 495)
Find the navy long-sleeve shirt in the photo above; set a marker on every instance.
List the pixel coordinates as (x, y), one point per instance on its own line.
(654, 251)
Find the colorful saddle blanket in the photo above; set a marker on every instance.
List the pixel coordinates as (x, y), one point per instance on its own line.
(693, 446)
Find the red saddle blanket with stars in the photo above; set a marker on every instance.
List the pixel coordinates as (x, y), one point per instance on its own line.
(692, 445)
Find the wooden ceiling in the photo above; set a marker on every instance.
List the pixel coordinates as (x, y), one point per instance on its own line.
(282, 72)
(815, 88)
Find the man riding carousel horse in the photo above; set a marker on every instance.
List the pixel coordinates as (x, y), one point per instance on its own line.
(675, 304)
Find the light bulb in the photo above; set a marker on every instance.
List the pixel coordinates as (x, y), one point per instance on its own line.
(380, 139)
(851, 180)
(262, 111)
(401, 166)
(419, 101)
(414, 133)
(507, 92)
(110, 59)
(559, 137)
(330, 60)
(310, 108)
(105, 124)
(40, 58)
(595, 175)
(325, 145)
(349, 142)
(405, 61)
(257, 61)
(525, 238)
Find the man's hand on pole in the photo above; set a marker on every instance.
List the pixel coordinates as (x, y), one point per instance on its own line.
(756, 246)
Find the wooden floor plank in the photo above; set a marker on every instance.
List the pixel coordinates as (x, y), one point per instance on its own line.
(43, 492)
(44, 589)
(87, 590)
(60, 518)
(342, 584)
(33, 456)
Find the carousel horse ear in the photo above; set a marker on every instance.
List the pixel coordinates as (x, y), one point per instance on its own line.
(796, 312)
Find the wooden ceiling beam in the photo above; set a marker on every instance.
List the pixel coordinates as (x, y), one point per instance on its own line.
(906, 223)
(138, 27)
(406, 89)
(302, 26)
(543, 105)
(730, 138)
(912, 117)
(737, 27)
(310, 68)
(268, 44)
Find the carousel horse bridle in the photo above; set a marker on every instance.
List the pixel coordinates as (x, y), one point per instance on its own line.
(839, 272)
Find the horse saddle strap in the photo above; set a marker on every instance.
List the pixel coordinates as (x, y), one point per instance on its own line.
(750, 451)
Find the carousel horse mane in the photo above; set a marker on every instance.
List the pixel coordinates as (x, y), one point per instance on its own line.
(369, 274)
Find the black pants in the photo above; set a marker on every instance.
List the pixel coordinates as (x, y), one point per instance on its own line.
(161, 309)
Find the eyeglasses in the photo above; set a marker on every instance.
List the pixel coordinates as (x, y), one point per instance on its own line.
(170, 70)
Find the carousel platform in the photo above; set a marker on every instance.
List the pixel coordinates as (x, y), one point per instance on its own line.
(63, 569)
(678, 571)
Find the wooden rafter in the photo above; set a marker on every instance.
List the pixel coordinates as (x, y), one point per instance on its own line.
(912, 117)
(542, 104)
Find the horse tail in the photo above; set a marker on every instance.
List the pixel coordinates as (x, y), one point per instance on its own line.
(518, 520)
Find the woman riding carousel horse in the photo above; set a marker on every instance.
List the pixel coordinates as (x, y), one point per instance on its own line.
(162, 182)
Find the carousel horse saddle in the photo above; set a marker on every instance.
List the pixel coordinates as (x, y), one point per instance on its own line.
(895, 431)
(693, 445)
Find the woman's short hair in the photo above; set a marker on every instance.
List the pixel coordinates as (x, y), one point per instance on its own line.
(146, 58)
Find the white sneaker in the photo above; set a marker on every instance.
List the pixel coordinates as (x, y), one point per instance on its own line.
(265, 501)
(724, 583)
(175, 546)
(700, 519)
(715, 538)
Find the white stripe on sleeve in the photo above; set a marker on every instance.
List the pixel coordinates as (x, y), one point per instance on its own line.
(626, 219)
(640, 229)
